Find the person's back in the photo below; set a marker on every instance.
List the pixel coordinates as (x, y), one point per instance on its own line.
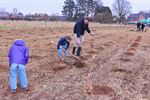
(18, 53)
(18, 58)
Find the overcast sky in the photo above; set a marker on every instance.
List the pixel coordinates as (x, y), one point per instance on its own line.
(55, 6)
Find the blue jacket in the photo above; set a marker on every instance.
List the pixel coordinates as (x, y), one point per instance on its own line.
(80, 28)
(18, 53)
(63, 41)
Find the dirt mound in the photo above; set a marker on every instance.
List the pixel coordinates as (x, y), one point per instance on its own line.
(107, 44)
(35, 57)
(138, 39)
(88, 56)
(135, 44)
(131, 49)
(124, 59)
(59, 68)
(101, 90)
(79, 64)
(129, 53)
(145, 88)
(120, 70)
(92, 52)
(100, 48)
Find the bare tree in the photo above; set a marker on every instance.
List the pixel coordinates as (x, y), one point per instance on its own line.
(122, 9)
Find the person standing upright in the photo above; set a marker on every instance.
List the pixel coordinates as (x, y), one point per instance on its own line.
(138, 26)
(142, 27)
(79, 29)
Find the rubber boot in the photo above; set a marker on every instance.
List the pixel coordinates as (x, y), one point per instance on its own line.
(73, 51)
(78, 51)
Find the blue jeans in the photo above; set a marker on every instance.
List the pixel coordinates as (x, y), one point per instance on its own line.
(16, 69)
(62, 49)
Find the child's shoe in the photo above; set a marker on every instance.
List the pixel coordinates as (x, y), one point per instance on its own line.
(13, 91)
(24, 90)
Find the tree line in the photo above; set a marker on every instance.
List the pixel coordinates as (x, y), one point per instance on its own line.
(15, 15)
(75, 9)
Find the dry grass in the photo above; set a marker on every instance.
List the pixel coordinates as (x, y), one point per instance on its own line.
(114, 65)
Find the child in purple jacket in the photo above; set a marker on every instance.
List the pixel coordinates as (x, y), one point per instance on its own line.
(18, 58)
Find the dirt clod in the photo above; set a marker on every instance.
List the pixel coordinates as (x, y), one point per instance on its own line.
(124, 59)
(135, 44)
(120, 70)
(102, 90)
(129, 53)
(79, 64)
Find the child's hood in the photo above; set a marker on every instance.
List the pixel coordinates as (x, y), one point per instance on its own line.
(19, 43)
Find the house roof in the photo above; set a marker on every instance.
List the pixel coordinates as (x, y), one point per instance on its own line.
(136, 16)
(147, 15)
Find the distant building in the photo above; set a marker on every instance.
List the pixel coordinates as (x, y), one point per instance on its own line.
(44, 17)
(37, 17)
(57, 18)
(13, 16)
(20, 16)
(61, 18)
(4, 15)
(30, 17)
(138, 17)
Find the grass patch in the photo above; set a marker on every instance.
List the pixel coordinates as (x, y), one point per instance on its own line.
(2, 27)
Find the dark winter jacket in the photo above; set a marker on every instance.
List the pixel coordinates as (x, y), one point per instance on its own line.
(80, 28)
(138, 25)
(63, 41)
(142, 26)
(18, 53)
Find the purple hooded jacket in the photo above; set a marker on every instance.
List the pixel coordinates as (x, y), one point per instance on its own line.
(18, 53)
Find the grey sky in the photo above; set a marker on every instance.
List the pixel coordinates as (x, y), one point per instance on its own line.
(137, 5)
(55, 6)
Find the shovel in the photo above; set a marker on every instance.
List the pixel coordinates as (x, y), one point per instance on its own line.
(68, 52)
(68, 61)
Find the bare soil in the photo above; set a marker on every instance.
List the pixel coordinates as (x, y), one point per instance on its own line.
(115, 63)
